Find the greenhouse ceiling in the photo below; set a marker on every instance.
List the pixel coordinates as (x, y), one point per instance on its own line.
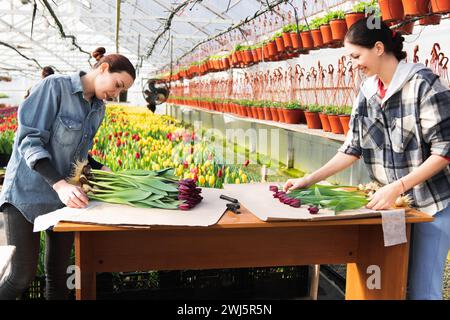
(152, 33)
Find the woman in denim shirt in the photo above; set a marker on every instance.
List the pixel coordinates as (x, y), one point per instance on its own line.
(57, 124)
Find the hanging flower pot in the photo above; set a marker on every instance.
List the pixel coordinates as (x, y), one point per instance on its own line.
(325, 122)
(353, 17)
(287, 40)
(338, 29)
(326, 34)
(296, 40)
(266, 52)
(239, 57)
(259, 53)
(406, 29)
(255, 56)
(345, 121)
(248, 57)
(280, 44)
(272, 48)
(307, 40)
(413, 8)
(435, 19)
(335, 124)
(317, 38)
(391, 10)
(313, 120)
(226, 63)
(440, 6)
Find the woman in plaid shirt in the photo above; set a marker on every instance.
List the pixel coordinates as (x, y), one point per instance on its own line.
(400, 126)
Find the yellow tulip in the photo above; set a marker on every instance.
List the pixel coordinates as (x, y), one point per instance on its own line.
(237, 181)
(211, 181)
(244, 178)
(201, 180)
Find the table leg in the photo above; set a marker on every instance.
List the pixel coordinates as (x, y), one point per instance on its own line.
(380, 272)
(86, 280)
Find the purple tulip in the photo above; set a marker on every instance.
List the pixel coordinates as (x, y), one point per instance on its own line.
(273, 188)
(184, 206)
(313, 210)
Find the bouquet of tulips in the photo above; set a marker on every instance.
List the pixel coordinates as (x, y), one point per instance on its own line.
(336, 198)
(138, 188)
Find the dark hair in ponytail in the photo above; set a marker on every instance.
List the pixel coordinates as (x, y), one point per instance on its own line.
(361, 35)
(116, 62)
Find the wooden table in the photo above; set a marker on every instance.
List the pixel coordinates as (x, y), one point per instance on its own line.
(242, 240)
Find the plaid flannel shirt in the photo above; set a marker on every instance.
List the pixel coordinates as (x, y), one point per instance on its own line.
(395, 135)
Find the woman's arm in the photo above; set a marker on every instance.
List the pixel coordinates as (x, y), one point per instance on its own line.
(385, 197)
(338, 163)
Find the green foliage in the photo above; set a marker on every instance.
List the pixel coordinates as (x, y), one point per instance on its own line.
(331, 197)
(335, 15)
(314, 108)
(361, 7)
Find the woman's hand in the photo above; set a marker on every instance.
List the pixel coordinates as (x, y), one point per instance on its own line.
(385, 197)
(293, 184)
(105, 168)
(72, 196)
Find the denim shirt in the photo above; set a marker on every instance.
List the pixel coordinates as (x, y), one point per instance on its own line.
(55, 122)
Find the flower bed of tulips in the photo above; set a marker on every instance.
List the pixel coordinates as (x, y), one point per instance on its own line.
(8, 127)
(133, 138)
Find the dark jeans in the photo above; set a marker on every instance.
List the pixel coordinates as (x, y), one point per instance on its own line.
(19, 233)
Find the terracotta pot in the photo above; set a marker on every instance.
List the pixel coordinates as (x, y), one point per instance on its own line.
(255, 56)
(272, 49)
(325, 122)
(239, 57)
(413, 8)
(326, 34)
(431, 20)
(440, 6)
(266, 52)
(391, 10)
(280, 44)
(353, 17)
(274, 113)
(407, 29)
(259, 53)
(267, 114)
(345, 121)
(317, 38)
(307, 40)
(260, 113)
(292, 116)
(248, 57)
(338, 29)
(280, 115)
(335, 124)
(225, 63)
(313, 120)
(296, 40)
(287, 39)
(234, 58)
